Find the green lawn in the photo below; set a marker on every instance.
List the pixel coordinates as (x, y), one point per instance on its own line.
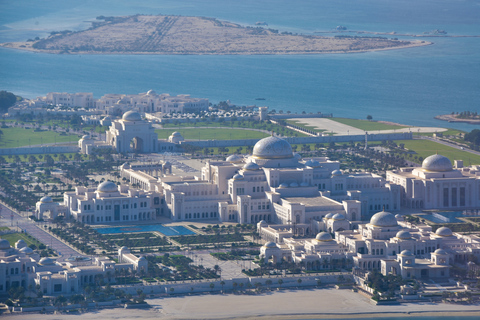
(425, 148)
(14, 237)
(20, 137)
(367, 125)
(212, 134)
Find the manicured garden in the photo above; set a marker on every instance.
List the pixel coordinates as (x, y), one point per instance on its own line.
(13, 137)
(213, 134)
(208, 239)
(368, 125)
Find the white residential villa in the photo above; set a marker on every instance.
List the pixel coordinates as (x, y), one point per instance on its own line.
(22, 266)
(386, 243)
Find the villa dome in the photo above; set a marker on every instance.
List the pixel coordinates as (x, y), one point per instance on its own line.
(309, 163)
(406, 253)
(234, 158)
(124, 248)
(107, 187)
(270, 245)
(131, 116)
(294, 185)
(272, 148)
(441, 251)
(323, 237)
(336, 173)
(297, 156)
(338, 216)
(4, 244)
(26, 250)
(315, 164)
(176, 134)
(20, 244)
(283, 185)
(86, 137)
(151, 93)
(329, 215)
(251, 166)
(141, 258)
(46, 199)
(46, 261)
(443, 232)
(403, 234)
(238, 177)
(437, 163)
(263, 222)
(383, 219)
(304, 184)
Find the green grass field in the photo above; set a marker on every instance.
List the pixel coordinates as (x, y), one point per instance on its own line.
(20, 137)
(14, 237)
(367, 125)
(425, 148)
(212, 134)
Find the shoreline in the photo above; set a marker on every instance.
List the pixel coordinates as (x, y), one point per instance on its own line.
(16, 46)
(450, 118)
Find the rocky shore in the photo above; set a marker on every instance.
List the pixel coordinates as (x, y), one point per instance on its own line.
(144, 34)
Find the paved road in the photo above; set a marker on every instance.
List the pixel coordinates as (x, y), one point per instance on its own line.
(448, 144)
(35, 231)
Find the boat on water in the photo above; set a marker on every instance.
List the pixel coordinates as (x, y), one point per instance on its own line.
(260, 99)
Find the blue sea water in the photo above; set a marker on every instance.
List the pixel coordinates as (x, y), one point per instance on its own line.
(407, 86)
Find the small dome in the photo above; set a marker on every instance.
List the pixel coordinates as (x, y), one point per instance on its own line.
(86, 137)
(270, 245)
(297, 156)
(443, 232)
(26, 250)
(399, 217)
(309, 163)
(304, 184)
(272, 148)
(106, 118)
(323, 237)
(403, 234)
(107, 187)
(234, 158)
(437, 163)
(251, 166)
(336, 173)
(383, 219)
(46, 261)
(338, 216)
(20, 244)
(151, 93)
(329, 215)
(238, 177)
(4, 244)
(406, 253)
(141, 258)
(131, 116)
(283, 185)
(124, 248)
(294, 185)
(46, 199)
(315, 164)
(441, 251)
(176, 134)
(263, 222)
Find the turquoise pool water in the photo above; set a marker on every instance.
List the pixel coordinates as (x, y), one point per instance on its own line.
(443, 217)
(168, 231)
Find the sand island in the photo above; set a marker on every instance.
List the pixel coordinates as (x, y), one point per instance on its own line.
(161, 34)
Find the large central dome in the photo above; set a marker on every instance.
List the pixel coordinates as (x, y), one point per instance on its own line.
(131, 116)
(437, 163)
(383, 219)
(272, 148)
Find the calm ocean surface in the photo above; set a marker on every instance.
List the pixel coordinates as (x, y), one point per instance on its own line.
(408, 86)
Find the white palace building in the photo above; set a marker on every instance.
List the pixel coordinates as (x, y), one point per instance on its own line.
(273, 184)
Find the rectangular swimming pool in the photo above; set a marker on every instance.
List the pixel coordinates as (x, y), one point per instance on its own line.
(168, 231)
(443, 217)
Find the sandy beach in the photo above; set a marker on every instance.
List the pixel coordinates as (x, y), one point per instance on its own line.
(285, 304)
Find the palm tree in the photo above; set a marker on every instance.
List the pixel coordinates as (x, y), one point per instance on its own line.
(280, 282)
(212, 285)
(222, 284)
